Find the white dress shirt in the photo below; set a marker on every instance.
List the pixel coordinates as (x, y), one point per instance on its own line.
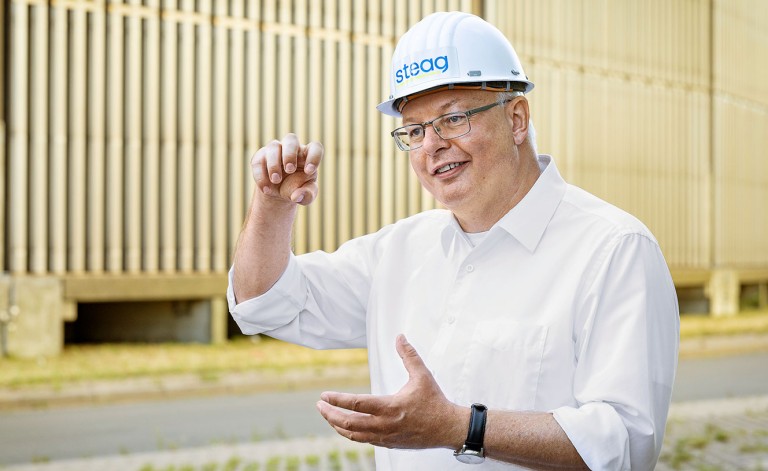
(566, 305)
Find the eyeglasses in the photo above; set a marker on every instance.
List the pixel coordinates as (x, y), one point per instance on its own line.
(447, 126)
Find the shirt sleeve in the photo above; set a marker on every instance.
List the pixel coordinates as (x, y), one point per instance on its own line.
(319, 301)
(627, 343)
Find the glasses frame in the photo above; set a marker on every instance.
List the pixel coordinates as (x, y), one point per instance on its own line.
(424, 125)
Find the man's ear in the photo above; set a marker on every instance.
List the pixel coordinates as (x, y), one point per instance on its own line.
(518, 114)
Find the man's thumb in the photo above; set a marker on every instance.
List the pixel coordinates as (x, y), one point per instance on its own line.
(411, 359)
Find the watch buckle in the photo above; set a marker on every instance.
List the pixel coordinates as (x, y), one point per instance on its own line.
(469, 455)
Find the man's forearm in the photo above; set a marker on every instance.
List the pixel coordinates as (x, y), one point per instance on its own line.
(263, 247)
(531, 439)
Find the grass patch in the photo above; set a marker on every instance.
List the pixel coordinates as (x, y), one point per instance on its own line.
(754, 447)
(119, 361)
(747, 322)
(82, 363)
(292, 463)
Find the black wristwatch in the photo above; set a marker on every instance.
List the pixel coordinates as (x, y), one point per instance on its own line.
(473, 452)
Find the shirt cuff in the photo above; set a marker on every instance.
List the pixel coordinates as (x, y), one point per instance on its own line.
(273, 309)
(598, 434)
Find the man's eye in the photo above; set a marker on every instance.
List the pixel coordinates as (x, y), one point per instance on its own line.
(415, 132)
(455, 119)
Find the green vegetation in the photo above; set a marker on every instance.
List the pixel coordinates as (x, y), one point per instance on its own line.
(334, 461)
(232, 464)
(754, 447)
(273, 464)
(120, 361)
(752, 322)
(79, 363)
(292, 463)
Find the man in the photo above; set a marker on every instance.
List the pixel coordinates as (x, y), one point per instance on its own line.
(529, 324)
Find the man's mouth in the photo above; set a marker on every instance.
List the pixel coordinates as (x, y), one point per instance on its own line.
(447, 167)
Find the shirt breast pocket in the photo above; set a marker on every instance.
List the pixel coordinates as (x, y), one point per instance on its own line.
(502, 365)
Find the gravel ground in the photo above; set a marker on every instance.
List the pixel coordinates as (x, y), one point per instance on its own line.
(724, 434)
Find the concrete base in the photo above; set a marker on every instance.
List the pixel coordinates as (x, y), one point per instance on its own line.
(35, 309)
(36, 306)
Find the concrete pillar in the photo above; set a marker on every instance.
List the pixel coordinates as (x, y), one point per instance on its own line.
(36, 327)
(762, 295)
(219, 320)
(723, 291)
(5, 312)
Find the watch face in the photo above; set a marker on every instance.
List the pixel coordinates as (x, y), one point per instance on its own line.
(470, 458)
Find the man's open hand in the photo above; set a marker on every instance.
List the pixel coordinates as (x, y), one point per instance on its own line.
(418, 416)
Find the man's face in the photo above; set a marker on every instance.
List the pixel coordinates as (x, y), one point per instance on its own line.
(484, 170)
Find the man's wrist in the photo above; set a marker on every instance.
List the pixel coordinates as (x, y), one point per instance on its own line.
(456, 427)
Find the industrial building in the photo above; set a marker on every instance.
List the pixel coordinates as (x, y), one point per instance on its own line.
(126, 128)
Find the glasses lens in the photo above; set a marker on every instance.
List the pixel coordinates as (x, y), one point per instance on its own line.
(452, 125)
(449, 126)
(409, 136)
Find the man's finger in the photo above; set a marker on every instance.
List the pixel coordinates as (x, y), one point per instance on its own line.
(257, 166)
(345, 419)
(274, 158)
(364, 403)
(305, 194)
(290, 146)
(313, 153)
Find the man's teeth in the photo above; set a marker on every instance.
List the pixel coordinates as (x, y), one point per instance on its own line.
(448, 167)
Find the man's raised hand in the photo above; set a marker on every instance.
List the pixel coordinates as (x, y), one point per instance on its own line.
(287, 170)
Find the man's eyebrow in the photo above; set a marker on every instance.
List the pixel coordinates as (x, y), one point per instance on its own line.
(441, 110)
(449, 104)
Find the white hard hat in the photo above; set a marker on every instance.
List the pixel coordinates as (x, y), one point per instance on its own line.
(452, 49)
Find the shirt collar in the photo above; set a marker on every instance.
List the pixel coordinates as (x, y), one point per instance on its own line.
(528, 220)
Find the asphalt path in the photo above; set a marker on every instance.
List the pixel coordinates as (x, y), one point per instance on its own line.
(721, 377)
(96, 430)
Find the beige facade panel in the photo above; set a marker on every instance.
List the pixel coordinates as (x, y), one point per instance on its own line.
(131, 123)
(621, 101)
(38, 148)
(740, 42)
(3, 222)
(17, 161)
(740, 90)
(741, 187)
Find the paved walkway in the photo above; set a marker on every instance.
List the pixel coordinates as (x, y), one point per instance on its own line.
(724, 434)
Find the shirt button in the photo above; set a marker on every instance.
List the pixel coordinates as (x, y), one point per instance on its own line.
(451, 319)
(470, 268)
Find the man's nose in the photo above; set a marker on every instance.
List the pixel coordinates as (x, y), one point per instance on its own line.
(432, 140)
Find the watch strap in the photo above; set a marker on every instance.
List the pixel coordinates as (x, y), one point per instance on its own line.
(476, 433)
